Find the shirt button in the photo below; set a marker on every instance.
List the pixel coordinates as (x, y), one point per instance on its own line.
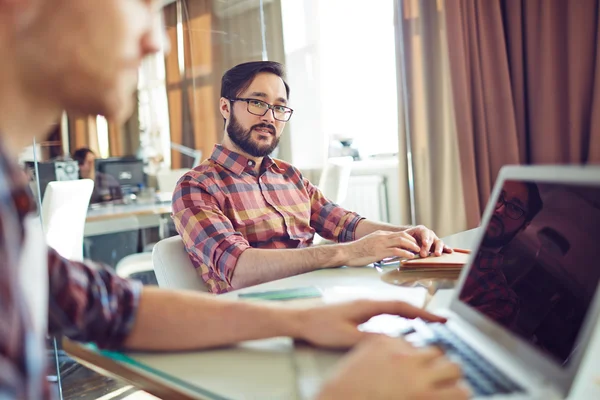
(251, 163)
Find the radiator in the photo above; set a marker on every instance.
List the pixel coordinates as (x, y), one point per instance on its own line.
(367, 196)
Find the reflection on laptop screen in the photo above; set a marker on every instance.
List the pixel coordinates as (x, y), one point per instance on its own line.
(538, 266)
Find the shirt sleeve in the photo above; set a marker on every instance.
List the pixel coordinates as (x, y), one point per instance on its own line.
(330, 221)
(90, 302)
(208, 235)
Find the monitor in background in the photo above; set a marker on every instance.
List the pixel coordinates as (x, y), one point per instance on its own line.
(128, 171)
(536, 271)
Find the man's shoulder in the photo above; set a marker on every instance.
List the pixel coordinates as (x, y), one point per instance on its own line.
(208, 169)
(286, 167)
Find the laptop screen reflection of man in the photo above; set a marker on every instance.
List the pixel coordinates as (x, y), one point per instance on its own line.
(128, 171)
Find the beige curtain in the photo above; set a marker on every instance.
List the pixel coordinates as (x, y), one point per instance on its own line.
(525, 78)
(428, 122)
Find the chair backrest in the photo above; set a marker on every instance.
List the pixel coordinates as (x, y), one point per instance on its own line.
(335, 177)
(173, 267)
(167, 179)
(64, 210)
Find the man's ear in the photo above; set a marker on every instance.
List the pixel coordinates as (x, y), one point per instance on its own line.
(224, 107)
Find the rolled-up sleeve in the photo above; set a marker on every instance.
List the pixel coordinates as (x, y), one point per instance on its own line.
(90, 302)
(209, 236)
(329, 219)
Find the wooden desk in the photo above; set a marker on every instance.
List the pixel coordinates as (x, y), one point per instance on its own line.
(123, 217)
(262, 369)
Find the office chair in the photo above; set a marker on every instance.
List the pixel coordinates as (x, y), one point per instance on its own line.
(167, 180)
(64, 210)
(173, 267)
(334, 182)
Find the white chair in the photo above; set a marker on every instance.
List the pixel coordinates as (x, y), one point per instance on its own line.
(167, 180)
(142, 262)
(64, 210)
(173, 267)
(334, 182)
(335, 177)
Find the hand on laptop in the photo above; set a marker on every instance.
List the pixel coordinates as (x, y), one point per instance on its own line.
(337, 325)
(382, 367)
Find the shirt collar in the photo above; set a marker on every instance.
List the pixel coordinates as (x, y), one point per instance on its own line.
(238, 163)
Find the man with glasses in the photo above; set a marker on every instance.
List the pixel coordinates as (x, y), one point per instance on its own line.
(246, 218)
(83, 56)
(486, 288)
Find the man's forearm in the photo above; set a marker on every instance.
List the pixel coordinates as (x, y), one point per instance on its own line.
(181, 320)
(366, 227)
(264, 265)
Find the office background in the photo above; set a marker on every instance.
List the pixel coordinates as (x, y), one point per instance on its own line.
(430, 97)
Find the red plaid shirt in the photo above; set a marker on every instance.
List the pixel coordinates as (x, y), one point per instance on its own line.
(487, 290)
(222, 208)
(88, 303)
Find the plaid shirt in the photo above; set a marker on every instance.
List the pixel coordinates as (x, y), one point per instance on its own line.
(87, 303)
(222, 207)
(487, 290)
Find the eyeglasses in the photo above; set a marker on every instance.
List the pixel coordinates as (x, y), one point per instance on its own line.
(260, 108)
(513, 211)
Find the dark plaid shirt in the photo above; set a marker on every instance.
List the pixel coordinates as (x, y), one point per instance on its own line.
(86, 302)
(487, 290)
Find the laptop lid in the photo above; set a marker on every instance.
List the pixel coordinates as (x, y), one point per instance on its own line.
(532, 284)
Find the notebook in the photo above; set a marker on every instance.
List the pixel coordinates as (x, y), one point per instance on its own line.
(455, 260)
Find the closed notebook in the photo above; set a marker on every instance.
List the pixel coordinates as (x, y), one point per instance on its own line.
(455, 260)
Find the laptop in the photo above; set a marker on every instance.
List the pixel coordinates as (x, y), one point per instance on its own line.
(526, 304)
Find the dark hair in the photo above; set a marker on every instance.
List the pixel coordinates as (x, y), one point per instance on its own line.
(534, 201)
(80, 154)
(239, 78)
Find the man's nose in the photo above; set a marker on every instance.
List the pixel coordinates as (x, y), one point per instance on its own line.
(269, 116)
(156, 38)
(500, 210)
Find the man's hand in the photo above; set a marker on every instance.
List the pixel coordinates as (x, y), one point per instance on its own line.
(427, 241)
(336, 325)
(389, 368)
(379, 245)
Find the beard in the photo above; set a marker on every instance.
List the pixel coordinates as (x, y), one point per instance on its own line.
(500, 240)
(243, 138)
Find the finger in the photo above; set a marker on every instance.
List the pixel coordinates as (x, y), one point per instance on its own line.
(404, 242)
(426, 241)
(444, 372)
(438, 247)
(397, 252)
(429, 354)
(408, 237)
(453, 392)
(448, 249)
(400, 308)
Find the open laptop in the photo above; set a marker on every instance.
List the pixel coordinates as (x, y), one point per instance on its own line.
(526, 304)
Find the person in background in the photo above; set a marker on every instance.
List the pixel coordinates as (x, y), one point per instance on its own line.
(83, 57)
(106, 187)
(246, 218)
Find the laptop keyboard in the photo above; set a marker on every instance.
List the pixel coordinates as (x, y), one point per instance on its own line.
(483, 378)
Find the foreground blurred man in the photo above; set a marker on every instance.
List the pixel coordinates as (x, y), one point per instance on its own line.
(83, 56)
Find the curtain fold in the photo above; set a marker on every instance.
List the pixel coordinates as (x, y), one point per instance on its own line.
(525, 82)
(429, 122)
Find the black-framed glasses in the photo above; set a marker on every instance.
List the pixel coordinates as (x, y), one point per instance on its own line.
(513, 211)
(260, 108)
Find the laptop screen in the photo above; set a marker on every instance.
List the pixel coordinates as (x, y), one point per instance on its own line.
(538, 266)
